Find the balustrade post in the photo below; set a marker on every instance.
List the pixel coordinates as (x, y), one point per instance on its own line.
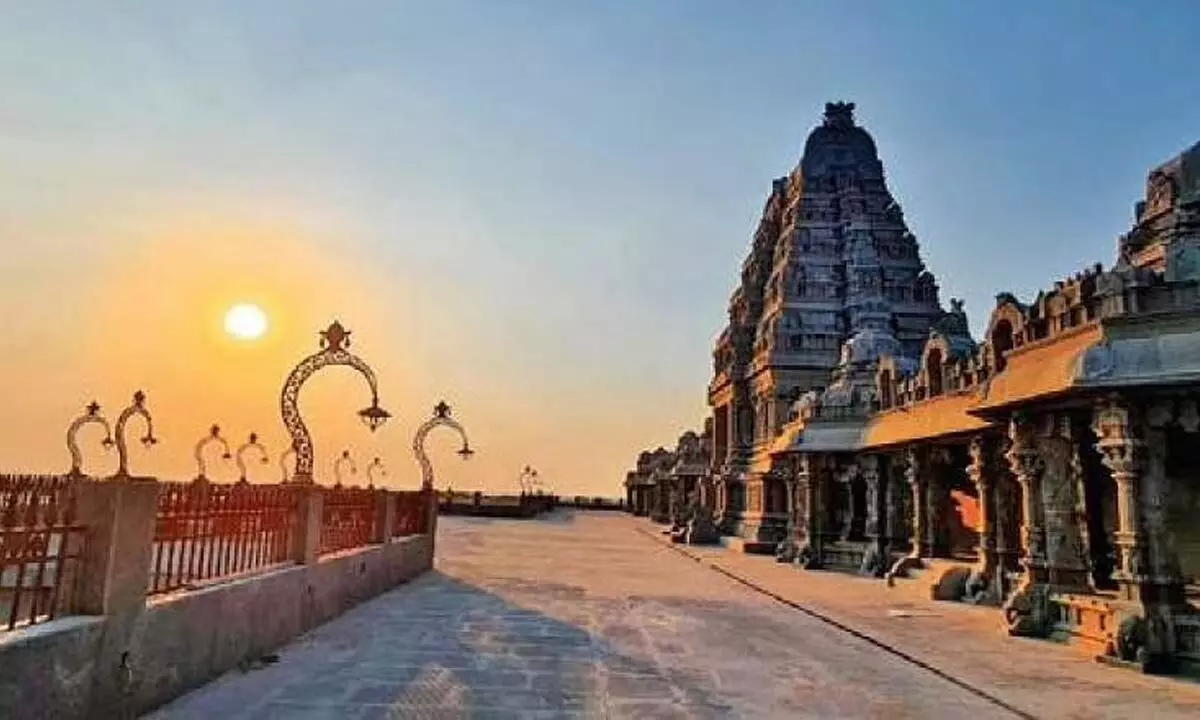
(119, 520)
(385, 516)
(309, 517)
(119, 516)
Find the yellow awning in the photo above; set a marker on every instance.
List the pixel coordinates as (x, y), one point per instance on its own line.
(940, 416)
(1039, 370)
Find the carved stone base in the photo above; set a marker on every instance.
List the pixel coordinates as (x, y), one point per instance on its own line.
(843, 555)
(874, 562)
(701, 530)
(1028, 612)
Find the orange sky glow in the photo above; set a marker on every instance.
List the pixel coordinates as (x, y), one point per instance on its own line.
(149, 315)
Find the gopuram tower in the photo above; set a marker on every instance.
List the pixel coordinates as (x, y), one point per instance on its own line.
(831, 258)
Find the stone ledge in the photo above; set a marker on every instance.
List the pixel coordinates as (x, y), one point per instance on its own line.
(179, 642)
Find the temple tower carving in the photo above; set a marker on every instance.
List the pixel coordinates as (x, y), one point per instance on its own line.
(831, 258)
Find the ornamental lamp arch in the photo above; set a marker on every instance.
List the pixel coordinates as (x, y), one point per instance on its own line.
(252, 443)
(441, 418)
(212, 437)
(333, 350)
(136, 409)
(90, 416)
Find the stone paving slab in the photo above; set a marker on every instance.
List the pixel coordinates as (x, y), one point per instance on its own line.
(582, 615)
(1039, 677)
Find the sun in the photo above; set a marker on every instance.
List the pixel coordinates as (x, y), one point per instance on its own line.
(245, 321)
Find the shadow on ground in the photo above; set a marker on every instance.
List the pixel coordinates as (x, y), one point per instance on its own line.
(439, 648)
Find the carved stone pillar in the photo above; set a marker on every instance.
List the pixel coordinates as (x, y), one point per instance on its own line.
(868, 466)
(913, 466)
(875, 559)
(895, 491)
(915, 477)
(1147, 565)
(811, 479)
(981, 474)
(984, 584)
(1026, 466)
(786, 550)
(1006, 511)
(848, 510)
(1067, 566)
(1027, 611)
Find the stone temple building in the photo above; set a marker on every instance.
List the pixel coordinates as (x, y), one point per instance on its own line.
(1050, 468)
(831, 259)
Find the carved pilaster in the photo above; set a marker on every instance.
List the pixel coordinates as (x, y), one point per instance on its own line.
(786, 550)
(849, 529)
(984, 583)
(914, 475)
(811, 477)
(1026, 466)
(1067, 566)
(895, 490)
(914, 466)
(1121, 451)
(1027, 611)
(1147, 568)
(1007, 509)
(875, 559)
(868, 467)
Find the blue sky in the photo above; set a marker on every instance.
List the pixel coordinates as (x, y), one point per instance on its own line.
(555, 196)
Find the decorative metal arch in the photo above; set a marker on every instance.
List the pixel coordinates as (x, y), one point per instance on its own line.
(526, 479)
(213, 437)
(137, 408)
(240, 456)
(345, 459)
(376, 465)
(441, 418)
(334, 341)
(90, 416)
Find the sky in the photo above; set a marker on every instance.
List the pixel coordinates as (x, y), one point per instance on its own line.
(535, 210)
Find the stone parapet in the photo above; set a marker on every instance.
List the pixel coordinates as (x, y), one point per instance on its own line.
(123, 650)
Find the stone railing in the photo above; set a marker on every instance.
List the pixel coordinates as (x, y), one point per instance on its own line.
(40, 544)
(205, 532)
(143, 590)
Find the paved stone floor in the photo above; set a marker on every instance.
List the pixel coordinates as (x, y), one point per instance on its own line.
(590, 615)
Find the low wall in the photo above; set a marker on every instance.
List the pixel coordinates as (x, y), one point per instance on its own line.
(179, 642)
(117, 649)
